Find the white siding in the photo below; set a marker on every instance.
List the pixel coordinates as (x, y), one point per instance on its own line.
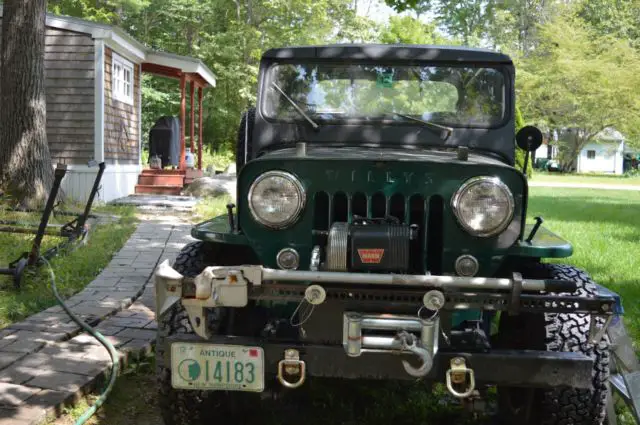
(608, 158)
(117, 181)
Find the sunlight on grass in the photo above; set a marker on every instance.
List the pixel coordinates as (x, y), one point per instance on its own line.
(604, 228)
(208, 208)
(74, 270)
(539, 177)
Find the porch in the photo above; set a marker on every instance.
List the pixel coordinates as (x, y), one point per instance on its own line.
(193, 76)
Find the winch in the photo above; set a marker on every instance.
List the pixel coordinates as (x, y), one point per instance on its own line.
(370, 245)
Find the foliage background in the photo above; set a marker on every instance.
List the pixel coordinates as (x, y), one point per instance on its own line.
(576, 61)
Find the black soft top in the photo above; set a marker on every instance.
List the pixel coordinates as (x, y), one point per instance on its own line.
(390, 52)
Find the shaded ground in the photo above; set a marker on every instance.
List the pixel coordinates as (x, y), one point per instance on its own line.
(134, 402)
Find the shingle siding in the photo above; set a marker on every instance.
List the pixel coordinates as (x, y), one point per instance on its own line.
(69, 87)
(121, 135)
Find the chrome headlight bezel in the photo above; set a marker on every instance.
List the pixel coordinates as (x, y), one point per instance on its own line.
(299, 190)
(462, 190)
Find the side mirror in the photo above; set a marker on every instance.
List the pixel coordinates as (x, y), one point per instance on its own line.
(528, 138)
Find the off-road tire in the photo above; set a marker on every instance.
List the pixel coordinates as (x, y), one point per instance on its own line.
(244, 140)
(180, 407)
(560, 333)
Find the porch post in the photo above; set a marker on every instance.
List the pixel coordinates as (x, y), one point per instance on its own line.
(200, 128)
(183, 113)
(192, 140)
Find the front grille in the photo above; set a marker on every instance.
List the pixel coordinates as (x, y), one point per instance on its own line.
(425, 212)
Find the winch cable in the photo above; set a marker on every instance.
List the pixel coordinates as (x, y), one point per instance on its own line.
(115, 363)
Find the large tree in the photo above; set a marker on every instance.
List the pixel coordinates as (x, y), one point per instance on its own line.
(467, 20)
(578, 83)
(409, 30)
(26, 171)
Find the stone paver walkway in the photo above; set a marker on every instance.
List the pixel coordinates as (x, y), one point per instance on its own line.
(159, 202)
(45, 362)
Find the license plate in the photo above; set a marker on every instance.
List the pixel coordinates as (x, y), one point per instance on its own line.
(217, 367)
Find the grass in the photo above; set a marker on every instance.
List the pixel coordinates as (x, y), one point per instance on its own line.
(208, 208)
(604, 229)
(585, 178)
(74, 270)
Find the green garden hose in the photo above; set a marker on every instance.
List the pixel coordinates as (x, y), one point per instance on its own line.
(97, 335)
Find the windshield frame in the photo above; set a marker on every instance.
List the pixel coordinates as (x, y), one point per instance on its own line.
(507, 107)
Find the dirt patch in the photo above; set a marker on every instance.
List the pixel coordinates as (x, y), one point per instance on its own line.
(132, 401)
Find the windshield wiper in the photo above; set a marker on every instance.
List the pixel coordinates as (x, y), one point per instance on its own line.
(296, 106)
(444, 131)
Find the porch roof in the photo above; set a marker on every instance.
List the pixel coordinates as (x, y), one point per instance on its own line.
(173, 66)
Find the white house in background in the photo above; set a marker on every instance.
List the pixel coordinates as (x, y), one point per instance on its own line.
(546, 150)
(603, 155)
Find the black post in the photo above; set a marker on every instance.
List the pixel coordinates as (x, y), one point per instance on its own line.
(232, 225)
(526, 163)
(61, 170)
(535, 228)
(87, 209)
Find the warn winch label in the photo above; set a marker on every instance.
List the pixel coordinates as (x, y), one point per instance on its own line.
(371, 256)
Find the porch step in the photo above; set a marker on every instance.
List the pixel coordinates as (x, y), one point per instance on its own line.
(153, 171)
(159, 189)
(161, 179)
(191, 175)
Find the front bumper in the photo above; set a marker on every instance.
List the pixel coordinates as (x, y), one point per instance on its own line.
(378, 344)
(234, 286)
(522, 368)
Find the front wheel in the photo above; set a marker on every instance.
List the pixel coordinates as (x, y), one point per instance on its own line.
(558, 332)
(180, 407)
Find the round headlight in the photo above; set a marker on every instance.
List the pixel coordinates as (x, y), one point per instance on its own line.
(483, 206)
(276, 199)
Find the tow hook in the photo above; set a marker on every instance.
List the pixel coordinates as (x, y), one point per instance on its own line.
(460, 375)
(291, 365)
(409, 343)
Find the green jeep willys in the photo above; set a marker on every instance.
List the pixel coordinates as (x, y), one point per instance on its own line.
(380, 233)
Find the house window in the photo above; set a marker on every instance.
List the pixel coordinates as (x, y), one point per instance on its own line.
(591, 154)
(122, 79)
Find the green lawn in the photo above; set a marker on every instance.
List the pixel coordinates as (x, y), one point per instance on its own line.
(74, 270)
(208, 208)
(539, 177)
(604, 227)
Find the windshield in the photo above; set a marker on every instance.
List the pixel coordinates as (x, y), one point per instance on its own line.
(459, 96)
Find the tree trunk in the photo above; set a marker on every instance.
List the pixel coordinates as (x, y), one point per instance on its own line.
(572, 143)
(26, 171)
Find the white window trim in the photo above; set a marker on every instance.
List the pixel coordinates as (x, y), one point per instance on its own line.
(125, 65)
